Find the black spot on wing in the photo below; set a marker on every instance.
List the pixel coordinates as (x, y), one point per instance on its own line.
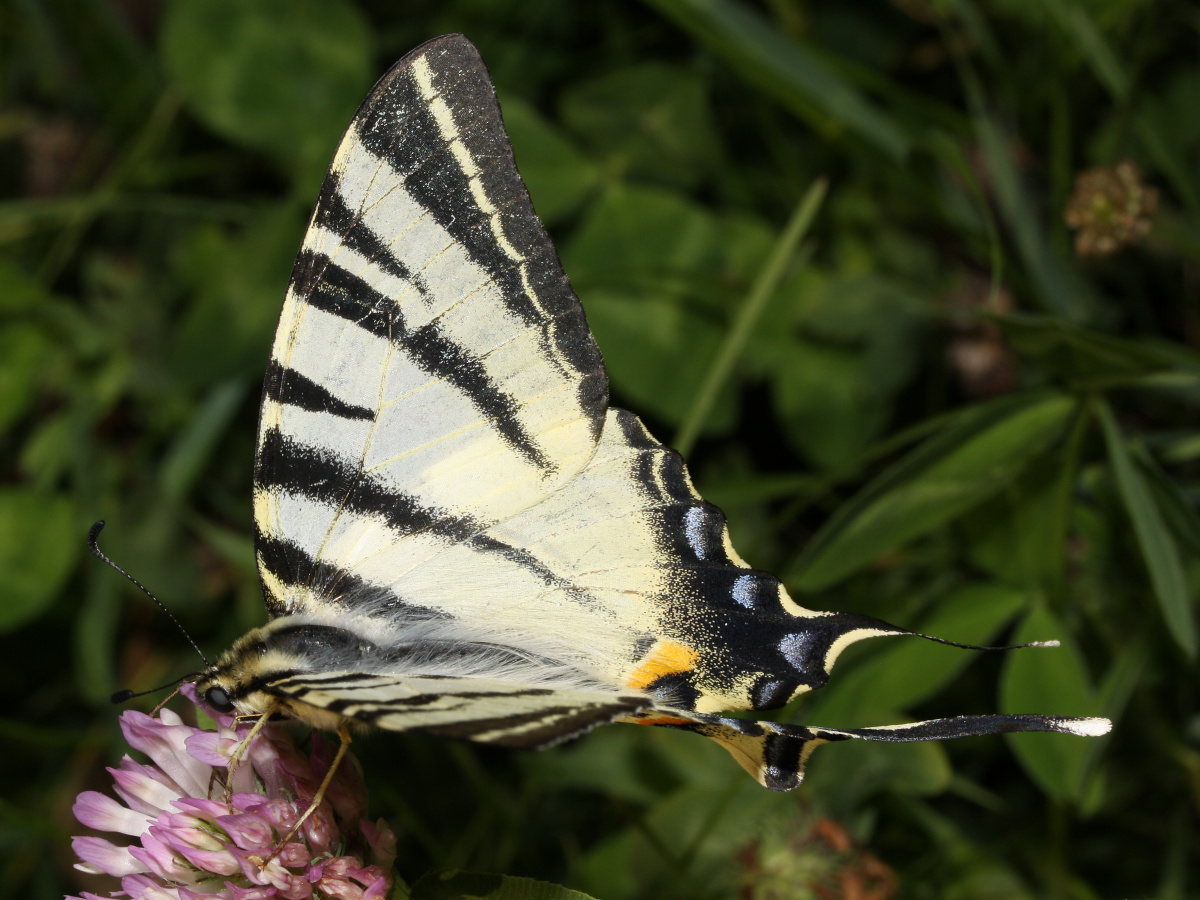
(692, 533)
(291, 388)
(677, 690)
(305, 471)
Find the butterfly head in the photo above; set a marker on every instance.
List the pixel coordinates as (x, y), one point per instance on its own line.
(236, 683)
(246, 679)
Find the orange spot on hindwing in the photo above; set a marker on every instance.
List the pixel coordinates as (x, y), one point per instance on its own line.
(667, 658)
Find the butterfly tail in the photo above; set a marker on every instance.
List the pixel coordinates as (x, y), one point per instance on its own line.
(775, 754)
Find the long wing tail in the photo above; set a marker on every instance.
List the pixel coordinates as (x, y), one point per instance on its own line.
(775, 754)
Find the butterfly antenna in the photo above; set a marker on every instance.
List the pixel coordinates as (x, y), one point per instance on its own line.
(92, 538)
(127, 695)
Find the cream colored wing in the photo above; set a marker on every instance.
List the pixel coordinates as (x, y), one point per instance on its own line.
(489, 711)
(432, 372)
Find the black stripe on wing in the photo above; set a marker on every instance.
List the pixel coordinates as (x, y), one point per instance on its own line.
(299, 469)
(291, 565)
(292, 388)
(347, 296)
(333, 214)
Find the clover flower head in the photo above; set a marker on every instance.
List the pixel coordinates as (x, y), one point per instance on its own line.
(188, 845)
(1110, 208)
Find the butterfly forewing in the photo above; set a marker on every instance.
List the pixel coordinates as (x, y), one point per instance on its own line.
(432, 372)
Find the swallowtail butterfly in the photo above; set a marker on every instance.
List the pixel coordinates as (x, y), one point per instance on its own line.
(456, 534)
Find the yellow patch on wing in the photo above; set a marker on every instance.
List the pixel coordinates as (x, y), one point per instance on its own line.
(667, 658)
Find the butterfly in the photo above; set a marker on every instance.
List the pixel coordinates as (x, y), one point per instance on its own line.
(455, 533)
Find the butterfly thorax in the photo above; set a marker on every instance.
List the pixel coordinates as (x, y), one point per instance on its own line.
(243, 679)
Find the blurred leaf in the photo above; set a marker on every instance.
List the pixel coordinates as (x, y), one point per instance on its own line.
(684, 844)
(39, 544)
(649, 121)
(1053, 681)
(23, 351)
(1074, 353)
(653, 241)
(1074, 19)
(1159, 549)
(1016, 536)
(477, 886)
(790, 71)
(238, 280)
(615, 762)
(657, 354)
(1059, 288)
(943, 478)
(1177, 512)
(845, 776)
(18, 291)
(638, 260)
(190, 450)
(282, 76)
(558, 176)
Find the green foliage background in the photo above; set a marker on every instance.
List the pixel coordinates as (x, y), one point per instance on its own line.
(158, 165)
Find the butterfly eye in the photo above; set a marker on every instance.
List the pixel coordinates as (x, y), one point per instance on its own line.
(218, 699)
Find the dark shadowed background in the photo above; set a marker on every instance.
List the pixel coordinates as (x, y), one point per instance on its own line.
(968, 405)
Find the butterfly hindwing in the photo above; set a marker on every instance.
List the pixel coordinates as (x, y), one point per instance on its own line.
(504, 713)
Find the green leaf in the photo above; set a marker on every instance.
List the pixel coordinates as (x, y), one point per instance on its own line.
(986, 449)
(1180, 516)
(843, 777)
(649, 121)
(1159, 550)
(281, 76)
(18, 292)
(191, 449)
(791, 71)
(1074, 353)
(238, 281)
(558, 176)
(644, 261)
(1016, 536)
(23, 351)
(456, 885)
(657, 353)
(655, 242)
(39, 543)
(1052, 681)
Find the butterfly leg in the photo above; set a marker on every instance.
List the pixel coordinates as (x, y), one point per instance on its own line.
(240, 751)
(343, 733)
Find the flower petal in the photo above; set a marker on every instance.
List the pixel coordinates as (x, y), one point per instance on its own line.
(101, 856)
(144, 788)
(159, 857)
(382, 841)
(248, 831)
(254, 893)
(140, 887)
(95, 810)
(163, 740)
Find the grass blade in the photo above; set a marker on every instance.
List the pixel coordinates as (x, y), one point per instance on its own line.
(1158, 546)
(761, 291)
